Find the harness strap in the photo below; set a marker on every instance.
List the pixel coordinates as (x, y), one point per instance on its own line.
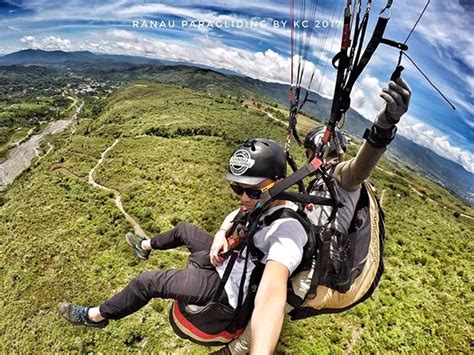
(242, 281)
(291, 297)
(297, 197)
(285, 213)
(298, 175)
(374, 41)
(226, 275)
(294, 167)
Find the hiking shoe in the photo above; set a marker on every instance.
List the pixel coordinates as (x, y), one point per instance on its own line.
(135, 242)
(77, 315)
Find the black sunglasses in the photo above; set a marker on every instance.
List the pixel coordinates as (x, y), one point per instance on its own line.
(253, 193)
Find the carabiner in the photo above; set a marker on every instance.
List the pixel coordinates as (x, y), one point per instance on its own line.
(387, 7)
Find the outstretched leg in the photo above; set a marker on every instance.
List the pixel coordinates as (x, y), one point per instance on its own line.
(195, 286)
(184, 234)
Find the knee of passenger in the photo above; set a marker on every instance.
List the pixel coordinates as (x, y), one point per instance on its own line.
(141, 282)
(185, 226)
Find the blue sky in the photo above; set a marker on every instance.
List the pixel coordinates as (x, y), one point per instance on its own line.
(441, 45)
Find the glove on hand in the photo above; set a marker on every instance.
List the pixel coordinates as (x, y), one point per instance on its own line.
(397, 98)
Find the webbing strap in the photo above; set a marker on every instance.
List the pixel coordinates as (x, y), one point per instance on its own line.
(291, 297)
(226, 275)
(284, 212)
(242, 280)
(294, 167)
(320, 270)
(374, 41)
(297, 197)
(298, 175)
(362, 29)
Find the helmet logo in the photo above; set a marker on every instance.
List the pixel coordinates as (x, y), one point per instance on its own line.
(240, 162)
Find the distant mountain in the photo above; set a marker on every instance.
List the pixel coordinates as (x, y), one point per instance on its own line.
(86, 58)
(41, 57)
(123, 68)
(445, 172)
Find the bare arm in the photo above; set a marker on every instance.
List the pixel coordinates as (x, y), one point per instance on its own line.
(268, 315)
(220, 242)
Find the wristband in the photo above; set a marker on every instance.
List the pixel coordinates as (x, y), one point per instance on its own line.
(379, 137)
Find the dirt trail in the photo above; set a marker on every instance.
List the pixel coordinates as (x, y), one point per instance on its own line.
(50, 148)
(382, 196)
(356, 335)
(21, 140)
(74, 102)
(249, 103)
(118, 201)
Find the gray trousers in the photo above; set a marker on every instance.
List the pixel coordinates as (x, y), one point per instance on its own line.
(194, 286)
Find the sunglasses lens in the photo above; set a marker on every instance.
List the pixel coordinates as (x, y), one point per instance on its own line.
(239, 190)
(253, 194)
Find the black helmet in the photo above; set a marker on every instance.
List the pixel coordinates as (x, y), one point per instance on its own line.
(314, 137)
(256, 160)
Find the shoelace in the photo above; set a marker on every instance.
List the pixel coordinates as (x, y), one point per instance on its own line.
(79, 314)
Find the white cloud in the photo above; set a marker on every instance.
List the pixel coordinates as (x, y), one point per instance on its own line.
(29, 41)
(268, 65)
(365, 97)
(13, 28)
(48, 43)
(54, 42)
(121, 34)
(439, 143)
(470, 84)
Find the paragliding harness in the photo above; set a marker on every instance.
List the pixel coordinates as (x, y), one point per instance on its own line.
(341, 270)
(344, 269)
(217, 323)
(338, 271)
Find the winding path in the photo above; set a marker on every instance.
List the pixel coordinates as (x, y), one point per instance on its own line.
(21, 140)
(118, 201)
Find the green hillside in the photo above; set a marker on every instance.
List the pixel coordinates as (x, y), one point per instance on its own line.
(63, 239)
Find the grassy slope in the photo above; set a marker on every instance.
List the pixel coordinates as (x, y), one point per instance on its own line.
(63, 239)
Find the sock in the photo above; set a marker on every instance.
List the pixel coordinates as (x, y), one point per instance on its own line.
(92, 313)
(146, 244)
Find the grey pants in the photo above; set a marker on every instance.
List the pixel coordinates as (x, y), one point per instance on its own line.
(194, 286)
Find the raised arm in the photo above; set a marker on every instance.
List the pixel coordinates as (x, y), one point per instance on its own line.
(351, 173)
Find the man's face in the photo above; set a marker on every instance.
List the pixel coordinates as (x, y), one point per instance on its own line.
(249, 195)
